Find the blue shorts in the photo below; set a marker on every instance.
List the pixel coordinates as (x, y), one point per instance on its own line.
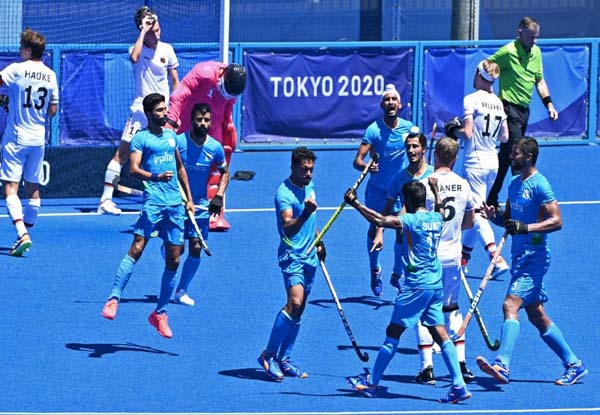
(414, 305)
(202, 221)
(527, 282)
(298, 271)
(167, 220)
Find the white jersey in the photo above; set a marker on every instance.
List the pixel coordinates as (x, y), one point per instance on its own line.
(455, 195)
(32, 87)
(151, 72)
(487, 112)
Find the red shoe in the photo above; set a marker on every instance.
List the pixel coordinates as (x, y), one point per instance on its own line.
(159, 321)
(218, 224)
(109, 310)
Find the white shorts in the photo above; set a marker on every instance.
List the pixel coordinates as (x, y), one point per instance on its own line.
(481, 181)
(136, 121)
(451, 281)
(22, 162)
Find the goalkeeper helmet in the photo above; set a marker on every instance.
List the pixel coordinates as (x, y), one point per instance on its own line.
(234, 79)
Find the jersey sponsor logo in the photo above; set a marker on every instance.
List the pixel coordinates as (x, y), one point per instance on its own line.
(164, 158)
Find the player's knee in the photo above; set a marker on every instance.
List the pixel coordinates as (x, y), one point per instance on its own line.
(394, 331)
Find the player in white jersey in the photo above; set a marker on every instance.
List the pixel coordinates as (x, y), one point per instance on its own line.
(32, 95)
(459, 214)
(484, 125)
(154, 62)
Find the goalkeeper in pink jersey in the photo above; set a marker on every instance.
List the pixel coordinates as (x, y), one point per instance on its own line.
(216, 84)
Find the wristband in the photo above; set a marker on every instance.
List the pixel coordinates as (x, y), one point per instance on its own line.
(546, 101)
(154, 177)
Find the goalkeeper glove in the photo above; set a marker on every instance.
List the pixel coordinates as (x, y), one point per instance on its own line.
(216, 205)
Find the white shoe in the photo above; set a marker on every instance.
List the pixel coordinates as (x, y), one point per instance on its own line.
(500, 267)
(108, 207)
(182, 297)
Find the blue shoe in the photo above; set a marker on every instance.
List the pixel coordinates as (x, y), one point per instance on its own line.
(270, 365)
(395, 281)
(456, 394)
(291, 370)
(376, 284)
(361, 384)
(573, 372)
(497, 369)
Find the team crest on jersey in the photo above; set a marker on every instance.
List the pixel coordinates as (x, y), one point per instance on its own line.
(526, 194)
(163, 59)
(171, 142)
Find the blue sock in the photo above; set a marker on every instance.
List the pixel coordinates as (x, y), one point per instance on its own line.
(190, 267)
(373, 256)
(281, 327)
(554, 338)
(123, 273)
(167, 284)
(287, 345)
(384, 357)
(451, 361)
(509, 336)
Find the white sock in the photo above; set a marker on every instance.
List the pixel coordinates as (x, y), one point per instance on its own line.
(112, 170)
(454, 320)
(15, 212)
(31, 211)
(425, 343)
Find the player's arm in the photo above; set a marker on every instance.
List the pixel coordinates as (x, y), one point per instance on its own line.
(544, 93)
(551, 223)
(215, 205)
(359, 160)
(183, 180)
(467, 130)
(174, 75)
(291, 224)
(136, 51)
(52, 109)
(135, 160)
(374, 217)
(503, 133)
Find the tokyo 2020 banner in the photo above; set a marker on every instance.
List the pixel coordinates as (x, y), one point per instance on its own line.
(316, 95)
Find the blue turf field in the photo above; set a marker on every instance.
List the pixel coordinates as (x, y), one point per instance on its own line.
(59, 355)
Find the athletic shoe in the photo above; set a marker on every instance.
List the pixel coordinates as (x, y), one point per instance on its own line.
(456, 394)
(395, 281)
(160, 322)
(500, 267)
(108, 207)
(109, 310)
(361, 384)
(218, 224)
(573, 372)
(496, 369)
(182, 297)
(291, 370)
(426, 376)
(21, 245)
(467, 375)
(376, 284)
(463, 265)
(270, 365)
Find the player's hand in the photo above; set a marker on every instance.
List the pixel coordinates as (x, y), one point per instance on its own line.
(321, 252)
(189, 205)
(216, 205)
(148, 22)
(552, 113)
(433, 183)
(310, 205)
(350, 197)
(514, 227)
(374, 169)
(165, 176)
(377, 242)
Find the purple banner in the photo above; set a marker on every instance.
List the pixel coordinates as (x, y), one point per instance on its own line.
(316, 95)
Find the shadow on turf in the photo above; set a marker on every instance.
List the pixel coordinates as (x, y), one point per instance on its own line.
(400, 350)
(247, 373)
(98, 350)
(368, 300)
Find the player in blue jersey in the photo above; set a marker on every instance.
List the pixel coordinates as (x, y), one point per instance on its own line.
(385, 136)
(295, 206)
(421, 295)
(199, 153)
(155, 159)
(532, 211)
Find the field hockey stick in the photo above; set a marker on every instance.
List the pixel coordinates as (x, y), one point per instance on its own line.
(486, 277)
(363, 174)
(482, 328)
(429, 156)
(362, 356)
(192, 218)
(127, 190)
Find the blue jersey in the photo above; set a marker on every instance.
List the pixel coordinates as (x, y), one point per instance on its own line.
(526, 201)
(389, 144)
(290, 196)
(158, 156)
(422, 231)
(403, 177)
(198, 161)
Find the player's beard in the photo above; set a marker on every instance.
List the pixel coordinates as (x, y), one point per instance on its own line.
(200, 131)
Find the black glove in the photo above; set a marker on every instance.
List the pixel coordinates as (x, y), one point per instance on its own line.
(216, 205)
(514, 227)
(452, 126)
(350, 197)
(321, 252)
(4, 102)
